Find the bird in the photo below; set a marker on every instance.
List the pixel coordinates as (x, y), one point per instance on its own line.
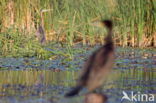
(40, 33)
(97, 66)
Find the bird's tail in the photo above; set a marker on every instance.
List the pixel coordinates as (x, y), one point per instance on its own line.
(74, 92)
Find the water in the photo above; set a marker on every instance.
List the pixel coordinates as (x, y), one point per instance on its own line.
(28, 80)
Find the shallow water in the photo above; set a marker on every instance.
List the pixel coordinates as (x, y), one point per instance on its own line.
(28, 80)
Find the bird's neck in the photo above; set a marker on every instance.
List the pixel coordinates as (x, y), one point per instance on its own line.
(108, 39)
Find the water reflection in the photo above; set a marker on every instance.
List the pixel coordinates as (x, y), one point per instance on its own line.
(135, 70)
(95, 98)
(51, 86)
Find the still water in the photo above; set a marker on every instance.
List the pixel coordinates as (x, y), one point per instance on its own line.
(28, 80)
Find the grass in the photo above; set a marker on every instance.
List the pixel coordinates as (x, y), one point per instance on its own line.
(70, 22)
(15, 44)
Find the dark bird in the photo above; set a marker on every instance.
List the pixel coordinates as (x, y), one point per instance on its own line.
(98, 66)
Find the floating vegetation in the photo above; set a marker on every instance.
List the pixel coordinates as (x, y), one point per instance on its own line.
(31, 80)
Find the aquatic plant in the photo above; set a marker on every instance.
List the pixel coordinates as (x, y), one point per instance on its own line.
(13, 43)
(71, 21)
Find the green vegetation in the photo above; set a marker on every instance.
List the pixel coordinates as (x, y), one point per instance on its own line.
(16, 44)
(71, 21)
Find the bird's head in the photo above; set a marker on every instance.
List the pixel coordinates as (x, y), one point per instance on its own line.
(107, 23)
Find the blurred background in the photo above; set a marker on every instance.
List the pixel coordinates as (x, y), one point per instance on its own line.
(44, 43)
(71, 22)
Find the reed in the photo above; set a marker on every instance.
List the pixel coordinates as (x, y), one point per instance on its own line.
(71, 21)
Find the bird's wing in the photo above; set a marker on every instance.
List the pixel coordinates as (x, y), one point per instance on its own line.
(101, 57)
(87, 68)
